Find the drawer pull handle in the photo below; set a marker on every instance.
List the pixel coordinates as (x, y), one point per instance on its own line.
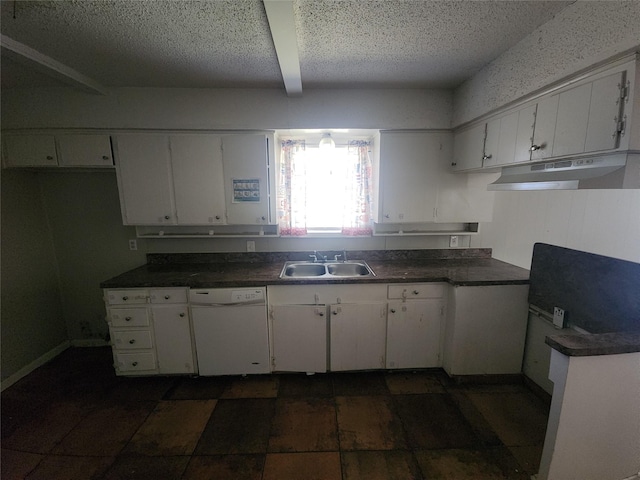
(182, 315)
(132, 341)
(125, 298)
(167, 297)
(134, 364)
(49, 157)
(334, 313)
(127, 319)
(105, 157)
(416, 292)
(321, 314)
(393, 310)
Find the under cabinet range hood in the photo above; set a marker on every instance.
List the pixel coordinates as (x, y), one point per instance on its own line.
(604, 172)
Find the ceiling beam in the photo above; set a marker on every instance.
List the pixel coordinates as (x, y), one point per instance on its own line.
(21, 53)
(283, 31)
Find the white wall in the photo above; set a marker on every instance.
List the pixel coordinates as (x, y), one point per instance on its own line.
(32, 318)
(606, 222)
(584, 33)
(242, 109)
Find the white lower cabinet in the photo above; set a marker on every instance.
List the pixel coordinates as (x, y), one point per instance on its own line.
(415, 317)
(299, 338)
(307, 322)
(173, 338)
(486, 329)
(357, 336)
(150, 331)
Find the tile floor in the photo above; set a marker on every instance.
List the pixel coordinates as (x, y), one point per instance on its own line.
(74, 419)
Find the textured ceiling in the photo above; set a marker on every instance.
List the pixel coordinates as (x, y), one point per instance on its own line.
(208, 44)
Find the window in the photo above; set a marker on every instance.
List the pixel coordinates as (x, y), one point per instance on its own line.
(324, 190)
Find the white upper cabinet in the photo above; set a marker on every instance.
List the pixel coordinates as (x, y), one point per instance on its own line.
(29, 151)
(583, 118)
(409, 169)
(64, 150)
(545, 128)
(468, 148)
(245, 158)
(198, 179)
(143, 164)
(509, 137)
(84, 151)
(186, 179)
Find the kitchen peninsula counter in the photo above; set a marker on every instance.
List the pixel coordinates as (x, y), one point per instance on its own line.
(464, 267)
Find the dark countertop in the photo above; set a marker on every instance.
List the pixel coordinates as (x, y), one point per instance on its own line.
(584, 345)
(465, 270)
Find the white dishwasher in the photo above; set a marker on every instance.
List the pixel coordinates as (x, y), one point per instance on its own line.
(230, 330)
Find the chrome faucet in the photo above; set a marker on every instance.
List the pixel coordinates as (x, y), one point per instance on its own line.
(318, 257)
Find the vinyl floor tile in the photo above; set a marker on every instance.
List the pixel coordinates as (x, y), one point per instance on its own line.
(140, 388)
(434, 421)
(254, 386)
(106, 430)
(128, 467)
(304, 425)
(173, 428)
(302, 466)
(238, 426)
(198, 388)
(76, 468)
(469, 464)
(361, 383)
(519, 419)
(404, 383)
(386, 465)
(225, 467)
(368, 423)
(296, 385)
(15, 465)
(41, 433)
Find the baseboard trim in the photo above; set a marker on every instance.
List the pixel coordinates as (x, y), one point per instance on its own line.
(89, 342)
(38, 362)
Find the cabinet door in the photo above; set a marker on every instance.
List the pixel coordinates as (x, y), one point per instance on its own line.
(491, 143)
(144, 179)
(545, 128)
(572, 121)
(173, 339)
(413, 333)
(468, 148)
(299, 338)
(358, 336)
(409, 164)
(524, 134)
(604, 111)
(245, 160)
(198, 179)
(85, 150)
(30, 151)
(506, 148)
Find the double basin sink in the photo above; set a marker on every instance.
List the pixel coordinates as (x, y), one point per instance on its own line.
(352, 268)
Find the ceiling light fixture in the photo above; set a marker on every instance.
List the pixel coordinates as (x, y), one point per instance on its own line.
(326, 142)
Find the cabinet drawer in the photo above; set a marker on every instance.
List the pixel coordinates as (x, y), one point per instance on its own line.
(131, 339)
(131, 362)
(417, 290)
(129, 317)
(169, 295)
(127, 297)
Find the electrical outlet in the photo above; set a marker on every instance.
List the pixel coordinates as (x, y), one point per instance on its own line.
(133, 244)
(558, 317)
(251, 246)
(453, 241)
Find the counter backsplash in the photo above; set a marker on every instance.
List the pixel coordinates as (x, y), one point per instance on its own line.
(275, 257)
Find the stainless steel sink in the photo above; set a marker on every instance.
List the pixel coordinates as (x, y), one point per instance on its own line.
(349, 269)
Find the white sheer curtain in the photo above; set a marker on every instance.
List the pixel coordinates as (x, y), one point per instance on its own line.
(321, 190)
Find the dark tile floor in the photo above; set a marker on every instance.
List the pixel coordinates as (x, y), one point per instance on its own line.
(74, 419)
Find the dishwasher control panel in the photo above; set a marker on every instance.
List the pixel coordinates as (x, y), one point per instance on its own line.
(239, 296)
(227, 296)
